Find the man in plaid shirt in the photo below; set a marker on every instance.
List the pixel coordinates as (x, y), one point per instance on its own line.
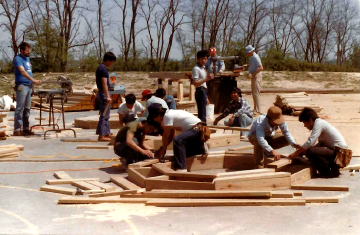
(240, 109)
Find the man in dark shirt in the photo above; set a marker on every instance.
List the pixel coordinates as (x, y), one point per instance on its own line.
(129, 142)
(103, 95)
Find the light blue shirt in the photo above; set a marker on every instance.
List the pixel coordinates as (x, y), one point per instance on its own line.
(219, 64)
(255, 62)
(262, 129)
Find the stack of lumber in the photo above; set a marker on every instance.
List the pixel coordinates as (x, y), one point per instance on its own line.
(10, 151)
(81, 100)
(293, 103)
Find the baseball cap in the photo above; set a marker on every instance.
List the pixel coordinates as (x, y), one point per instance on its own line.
(275, 114)
(145, 93)
(212, 50)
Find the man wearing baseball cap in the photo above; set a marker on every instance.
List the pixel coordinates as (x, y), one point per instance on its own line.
(255, 68)
(219, 64)
(264, 137)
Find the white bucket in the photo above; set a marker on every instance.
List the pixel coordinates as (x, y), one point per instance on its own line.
(210, 111)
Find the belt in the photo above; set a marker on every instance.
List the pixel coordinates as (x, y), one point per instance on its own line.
(200, 87)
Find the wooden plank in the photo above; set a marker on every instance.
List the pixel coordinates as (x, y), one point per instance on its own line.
(244, 172)
(280, 163)
(321, 187)
(242, 148)
(207, 194)
(80, 140)
(165, 183)
(143, 163)
(124, 183)
(233, 128)
(91, 200)
(94, 147)
(57, 189)
(225, 202)
(85, 185)
(351, 167)
(114, 193)
(298, 193)
(61, 175)
(254, 176)
(163, 168)
(321, 199)
(107, 187)
(135, 177)
(277, 194)
(91, 191)
(69, 181)
(180, 91)
(302, 176)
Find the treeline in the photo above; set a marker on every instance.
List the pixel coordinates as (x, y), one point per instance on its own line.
(72, 35)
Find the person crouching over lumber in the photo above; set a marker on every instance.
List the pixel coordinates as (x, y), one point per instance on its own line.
(192, 140)
(242, 116)
(330, 153)
(264, 137)
(128, 111)
(129, 142)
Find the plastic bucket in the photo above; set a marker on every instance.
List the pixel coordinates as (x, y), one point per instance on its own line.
(210, 111)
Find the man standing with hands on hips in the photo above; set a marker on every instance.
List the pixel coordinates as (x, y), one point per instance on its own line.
(200, 77)
(255, 68)
(23, 85)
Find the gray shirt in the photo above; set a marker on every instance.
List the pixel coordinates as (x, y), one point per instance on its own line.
(262, 129)
(155, 100)
(255, 62)
(219, 64)
(198, 74)
(327, 136)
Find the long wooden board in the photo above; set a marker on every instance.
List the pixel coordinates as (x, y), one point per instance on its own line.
(61, 175)
(143, 163)
(91, 200)
(76, 140)
(226, 202)
(165, 183)
(207, 194)
(106, 187)
(85, 185)
(57, 189)
(302, 176)
(321, 187)
(114, 193)
(321, 199)
(124, 183)
(280, 163)
(69, 181)
(94, 147)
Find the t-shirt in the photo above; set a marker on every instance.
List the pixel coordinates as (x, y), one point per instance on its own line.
(154, 100)
(199, 73)
(132, 127)
(219, 65)
(327, 136)
(102, 72)
(180, 118)
(19, 60)
(255, 62)
(123, 109)
(170, 101)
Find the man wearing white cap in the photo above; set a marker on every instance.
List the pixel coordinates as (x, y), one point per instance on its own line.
(264, 137)
(255, 68)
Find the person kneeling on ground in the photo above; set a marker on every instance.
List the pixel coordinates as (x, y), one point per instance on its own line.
(264, 137)
(128, 111)
(240, 109)
(129, 142)
(330, 153)
(192, 140)
(150, 98)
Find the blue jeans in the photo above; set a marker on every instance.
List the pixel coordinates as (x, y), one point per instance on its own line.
(242, 121)
(103, 127)
(187, 144)
(23, 105)
(131, 155)
(201, 100)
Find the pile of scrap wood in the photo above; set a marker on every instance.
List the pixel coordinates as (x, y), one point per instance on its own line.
(10, 151)
(293, 103)
(212, 184)
(80, 100)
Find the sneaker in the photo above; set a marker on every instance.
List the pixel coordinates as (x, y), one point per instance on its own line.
(181, 170)
(17, 133)
(104, 138)
(28, 132)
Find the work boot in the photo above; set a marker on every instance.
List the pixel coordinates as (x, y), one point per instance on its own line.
(17, 133)
(103, 138)
(28, 132)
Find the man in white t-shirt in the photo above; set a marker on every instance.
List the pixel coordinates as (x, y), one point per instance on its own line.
(330, 142)
(151, 99)
(128, 111)
(188, 143)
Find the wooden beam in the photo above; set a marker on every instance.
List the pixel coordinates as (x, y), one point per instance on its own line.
(302, 176)
(192, 92)
(91, 200)
(69, 181)
(180, 91)
(321, 199)
(277, 194)
(170, 87)
(207, 194)
(94, 147)
(114, 193)
(135, 177)
(163, 168)
(320, 187)
(57, 189)
(61, 175)
(245, 172)
(85, 186)
(143, 163)
(107, 187)
(124, 183)
(242, 148)
(225, 202)
(80, 140)
(165, 183)
(280, 163)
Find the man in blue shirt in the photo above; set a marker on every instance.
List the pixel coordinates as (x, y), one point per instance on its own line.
(219, 64)
(23, 84)
(103, 95)
(255, 68)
